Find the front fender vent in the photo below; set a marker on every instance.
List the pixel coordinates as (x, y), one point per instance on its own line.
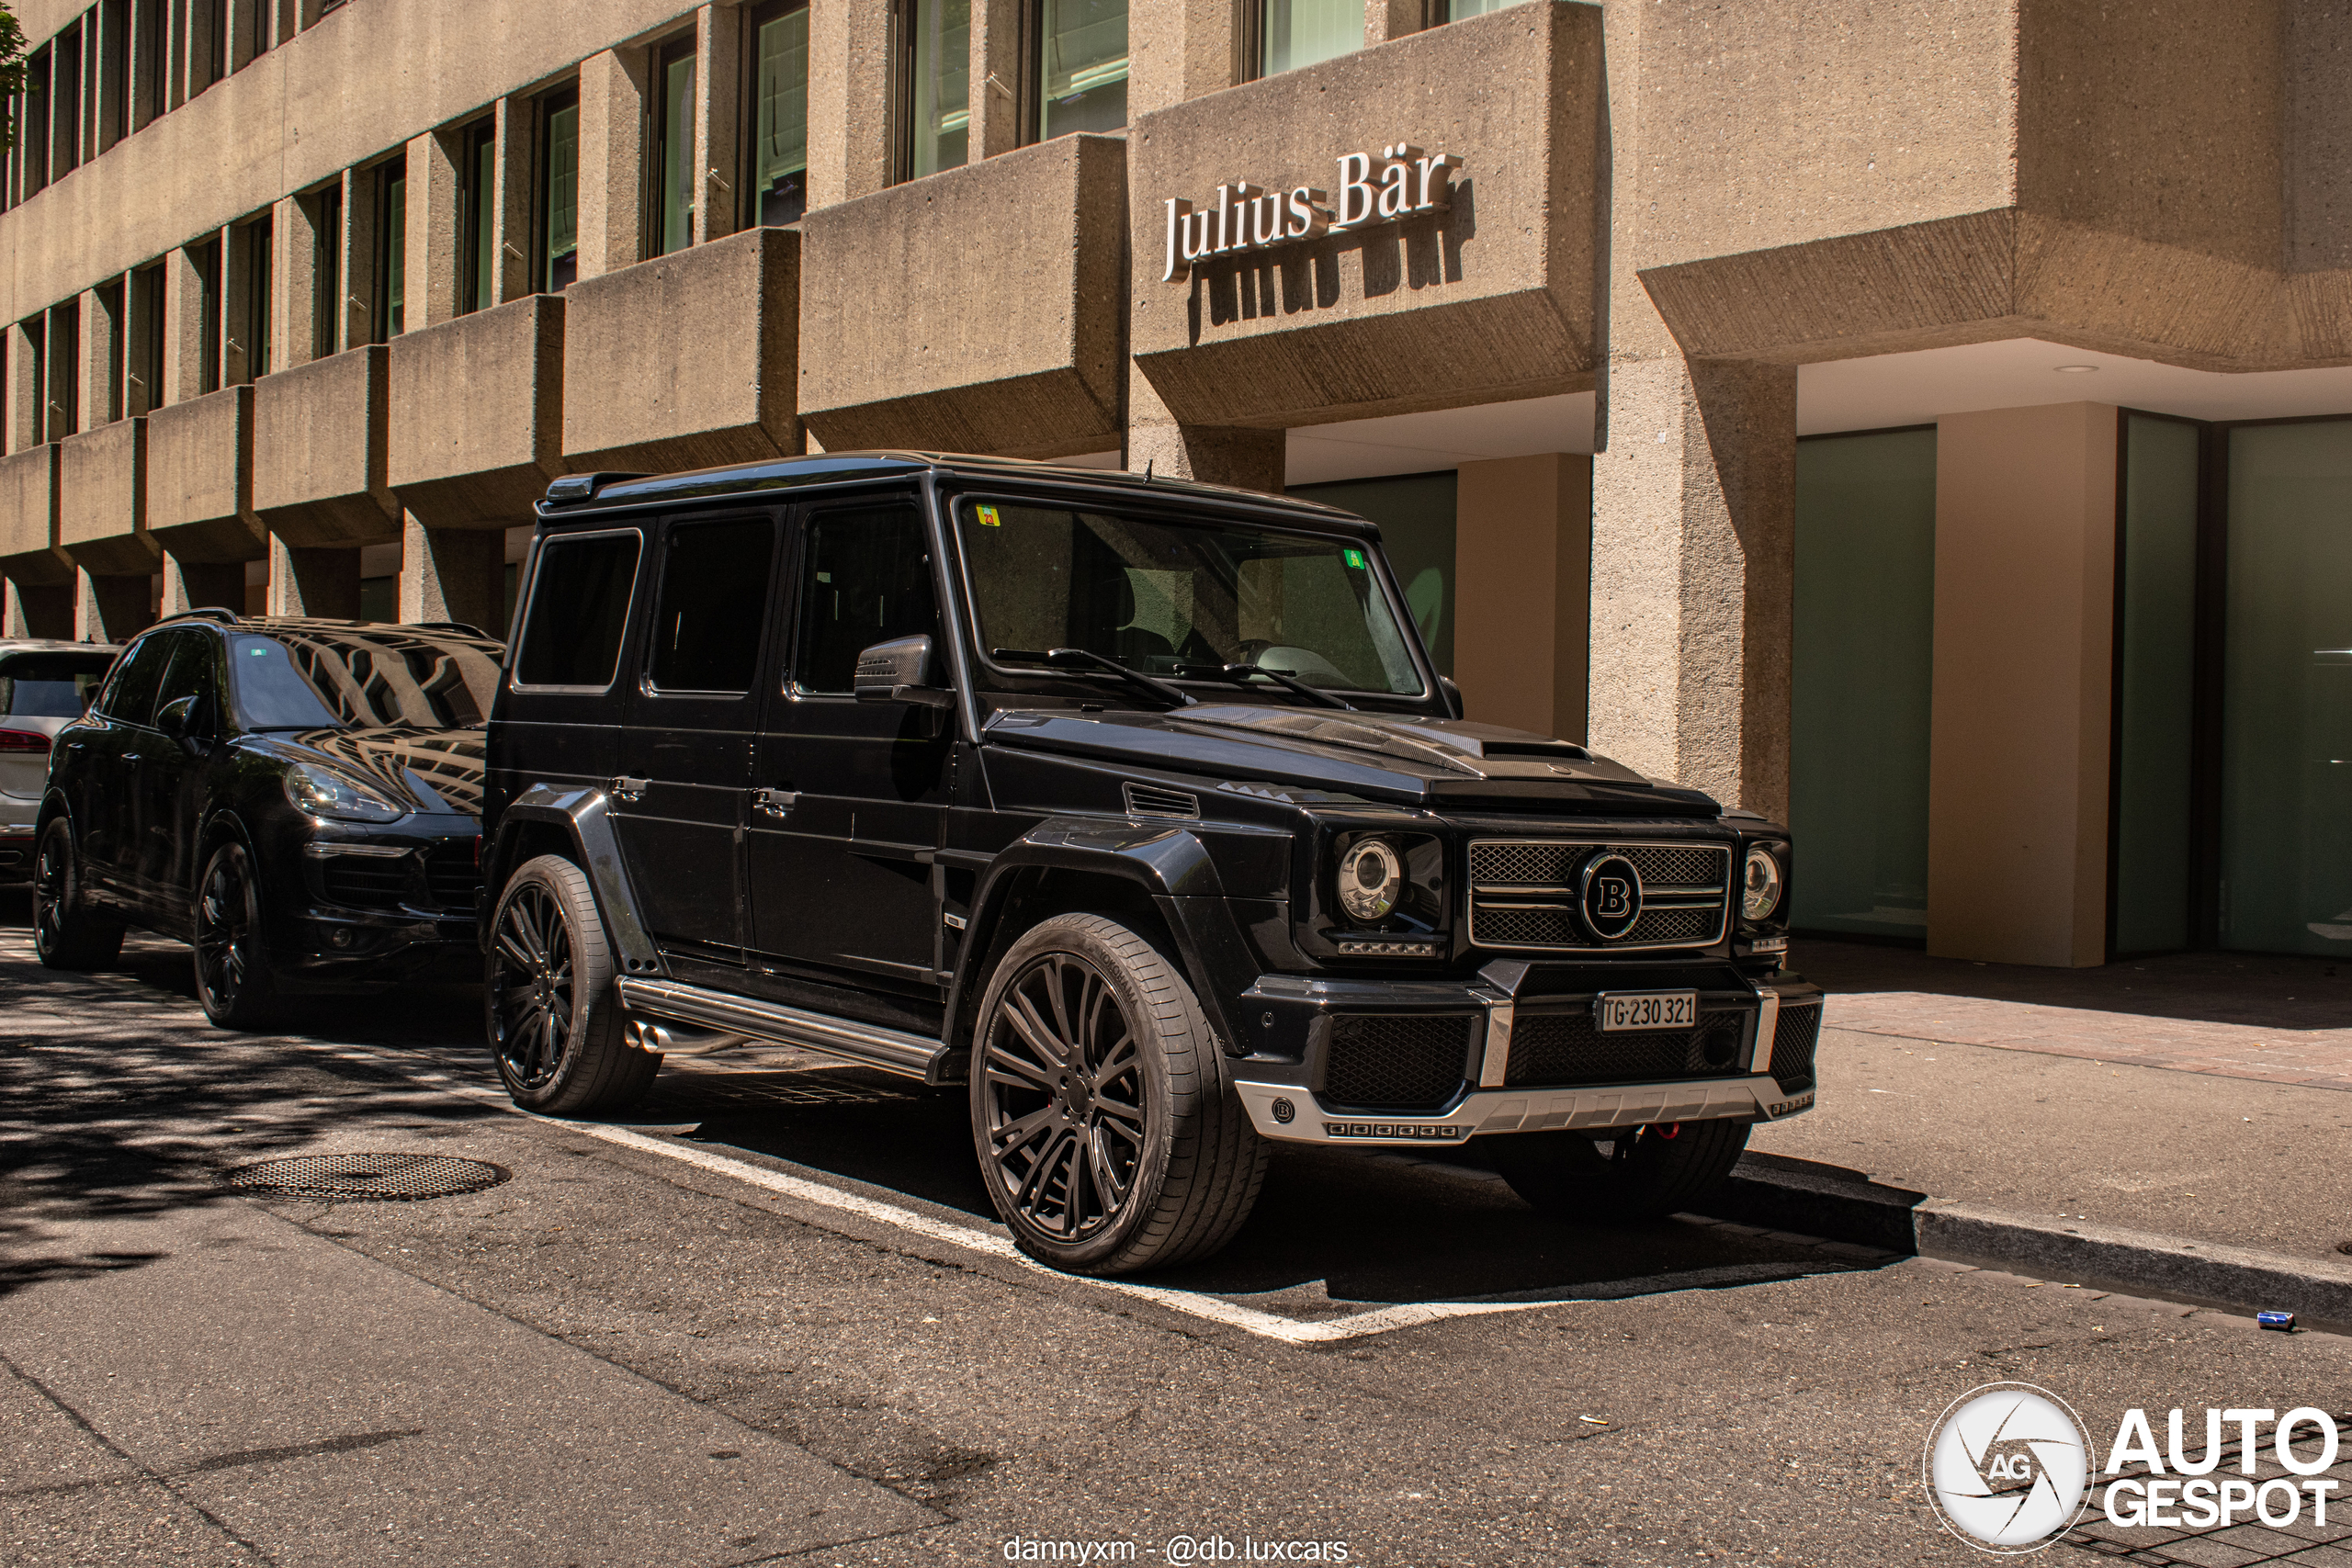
(1150, 800)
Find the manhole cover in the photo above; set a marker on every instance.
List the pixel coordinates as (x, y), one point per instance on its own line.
(346, 1179)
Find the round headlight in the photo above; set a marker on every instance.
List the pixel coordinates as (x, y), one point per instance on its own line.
(1370, 874)
(1759, 892)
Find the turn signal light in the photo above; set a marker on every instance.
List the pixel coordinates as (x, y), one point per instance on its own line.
(23, 742)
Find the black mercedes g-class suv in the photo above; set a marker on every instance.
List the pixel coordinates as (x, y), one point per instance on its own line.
(1138, 807)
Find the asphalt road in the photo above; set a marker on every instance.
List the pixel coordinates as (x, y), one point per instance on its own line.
(768, 1319)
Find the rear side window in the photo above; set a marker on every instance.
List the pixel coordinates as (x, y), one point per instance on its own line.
(713, 602)
(869, 580)
(571, 633)
(130, 696)
(51, 685)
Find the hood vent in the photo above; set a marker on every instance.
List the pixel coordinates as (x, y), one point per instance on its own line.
(1150, 800)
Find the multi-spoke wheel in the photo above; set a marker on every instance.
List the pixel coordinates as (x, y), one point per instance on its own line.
(1107, 1130)
(66, 934)
(554, 1025)
(232, 974)
(1639, 1174)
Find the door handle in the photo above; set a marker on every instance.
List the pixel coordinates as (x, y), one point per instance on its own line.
(774, 802)
(628, 788)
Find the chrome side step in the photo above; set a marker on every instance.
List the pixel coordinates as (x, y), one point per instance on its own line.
(738, 1021)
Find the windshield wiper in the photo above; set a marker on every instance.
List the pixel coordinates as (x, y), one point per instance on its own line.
(1239, 675)
(1085, 662)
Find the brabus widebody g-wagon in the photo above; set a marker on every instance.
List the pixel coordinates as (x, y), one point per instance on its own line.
(1136, 805)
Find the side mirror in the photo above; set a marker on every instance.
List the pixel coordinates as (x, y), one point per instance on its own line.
(899, 671)
(182, 718)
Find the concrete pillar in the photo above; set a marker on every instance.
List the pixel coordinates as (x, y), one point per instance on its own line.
(31, 610)
(1245, 456)
(1693, 554)
(612, 98)
(453, 574)
(356, 311)
(111, 609)
(197, 585)
(998, 32)
(1386, 19)
(853, 145)
(322, 583)
(511, 215)
(2024, 666)
(719, 121)
(294, 241)
(1522, 552)
(1177, 51)
(24, 387)
(429, 282)
(101, 367)
(183, 328)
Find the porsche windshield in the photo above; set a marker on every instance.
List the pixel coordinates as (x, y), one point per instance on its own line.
(1176, 599)
(317, 677)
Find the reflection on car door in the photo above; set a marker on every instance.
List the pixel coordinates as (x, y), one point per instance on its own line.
(167, 786)
(106, 759)
(687, 745)
(850, 799)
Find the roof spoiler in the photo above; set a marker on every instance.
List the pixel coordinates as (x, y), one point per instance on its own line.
(583, 487)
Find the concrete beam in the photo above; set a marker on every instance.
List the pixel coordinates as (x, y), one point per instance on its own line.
(477, 412)
(201, 477)
(28, 494)
(321, 432)
(102, 518)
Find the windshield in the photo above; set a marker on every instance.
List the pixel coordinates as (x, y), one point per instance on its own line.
(1181, 598)
(370, 678)
(51, 685)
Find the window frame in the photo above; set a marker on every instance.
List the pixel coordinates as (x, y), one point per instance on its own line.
(477, 216)
(780, 544)
(756, 17)
(526, 603)
(391, 247)
(1032, 95)
(660, 58)
(803, 582)
(544, 108)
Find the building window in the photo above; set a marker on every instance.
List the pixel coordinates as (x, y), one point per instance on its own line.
(65, 372)
(66, 93)
(779, 157)
(36, 338)
(1294, 33)
(148, 24)
(558, 162)
(215, 41)
(259, 19)
(1082, 66)
(257, 239)
(939, 68)
(672, 226)
(478, 169)
(143, 352)
(33, 153)
(1455, 10)
(115, 71)
(205, 259)
(391, 249)
(326, 273)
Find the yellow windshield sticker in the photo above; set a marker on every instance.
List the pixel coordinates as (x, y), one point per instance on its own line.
(988, 517)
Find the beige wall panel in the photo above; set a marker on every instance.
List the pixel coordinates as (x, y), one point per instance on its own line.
(477, 410)
(28, 482)
(849, 128)
(1179, 50)
(686, 362)
(1522, 554)
(976, 310)
(201, 477)
(102, 496)
(2024, 652)
(1494, 299)
(320, 433)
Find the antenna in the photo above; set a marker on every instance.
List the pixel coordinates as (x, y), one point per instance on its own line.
(1148, 462)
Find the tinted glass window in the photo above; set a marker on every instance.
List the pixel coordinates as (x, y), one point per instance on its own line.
(714, 599)
(579, 609)
(192, 673)
(130, 696)
(51, 685)
(383, 677)
(869, 580)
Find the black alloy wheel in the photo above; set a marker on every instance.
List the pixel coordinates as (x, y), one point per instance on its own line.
(66, 935)
(531, 979)
(555, 1022)
(233, 975)
(1067, 1096)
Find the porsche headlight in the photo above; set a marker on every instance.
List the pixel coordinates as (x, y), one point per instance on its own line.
(1372, 875)
(1760, 892)
(323, 792)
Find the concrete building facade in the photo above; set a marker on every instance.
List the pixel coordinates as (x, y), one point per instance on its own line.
(1927, 420)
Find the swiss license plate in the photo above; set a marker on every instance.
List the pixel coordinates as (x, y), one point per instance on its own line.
(1646, 1009)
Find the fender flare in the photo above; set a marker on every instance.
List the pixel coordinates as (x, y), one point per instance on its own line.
(1168, 863)
(581, 813)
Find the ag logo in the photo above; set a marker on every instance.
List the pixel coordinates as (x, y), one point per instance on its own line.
(2007, 1467)
(1611, 896)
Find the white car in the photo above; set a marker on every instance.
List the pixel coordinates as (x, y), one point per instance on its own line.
(44, 686)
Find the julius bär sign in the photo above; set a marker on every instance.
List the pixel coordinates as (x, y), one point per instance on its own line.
(1401, 181)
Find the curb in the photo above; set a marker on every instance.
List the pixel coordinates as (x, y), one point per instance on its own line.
(1786, 1194)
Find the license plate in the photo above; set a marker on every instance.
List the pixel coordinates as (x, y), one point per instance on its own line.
(1648, 1010)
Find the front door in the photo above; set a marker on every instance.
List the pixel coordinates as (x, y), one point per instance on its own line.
(108, 759)
(168, 784)
(686, 747)
(850, 799)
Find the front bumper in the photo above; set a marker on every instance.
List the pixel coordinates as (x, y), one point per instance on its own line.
(1749, 1059)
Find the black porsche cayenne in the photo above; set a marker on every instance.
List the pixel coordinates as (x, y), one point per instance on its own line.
(298, 799)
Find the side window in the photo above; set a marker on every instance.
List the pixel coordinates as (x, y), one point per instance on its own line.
(192, 673)
(572, 632)
(131, 694)
(869, 580)
(713, 602)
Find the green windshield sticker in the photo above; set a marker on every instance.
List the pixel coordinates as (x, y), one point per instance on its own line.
(1355, 558)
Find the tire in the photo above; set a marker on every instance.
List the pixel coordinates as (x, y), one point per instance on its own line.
(233, 980)
(66, 934)
(1108, 1131)
(1648, 1171)
(556, 1026)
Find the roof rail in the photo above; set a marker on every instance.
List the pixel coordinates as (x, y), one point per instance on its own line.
(444, 627)
(227, 617)
(583, 487)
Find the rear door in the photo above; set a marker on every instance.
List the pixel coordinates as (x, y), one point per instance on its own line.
(687, 745)
(100, 763)
(850, 799)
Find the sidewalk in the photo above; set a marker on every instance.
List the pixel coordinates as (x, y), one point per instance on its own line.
(2201, 1097)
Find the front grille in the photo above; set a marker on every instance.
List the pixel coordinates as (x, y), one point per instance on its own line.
(1523, 893)
(367, 882)
(451, 876)
(1792, 1044)
(1408, 1061)
(1554, 1049)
